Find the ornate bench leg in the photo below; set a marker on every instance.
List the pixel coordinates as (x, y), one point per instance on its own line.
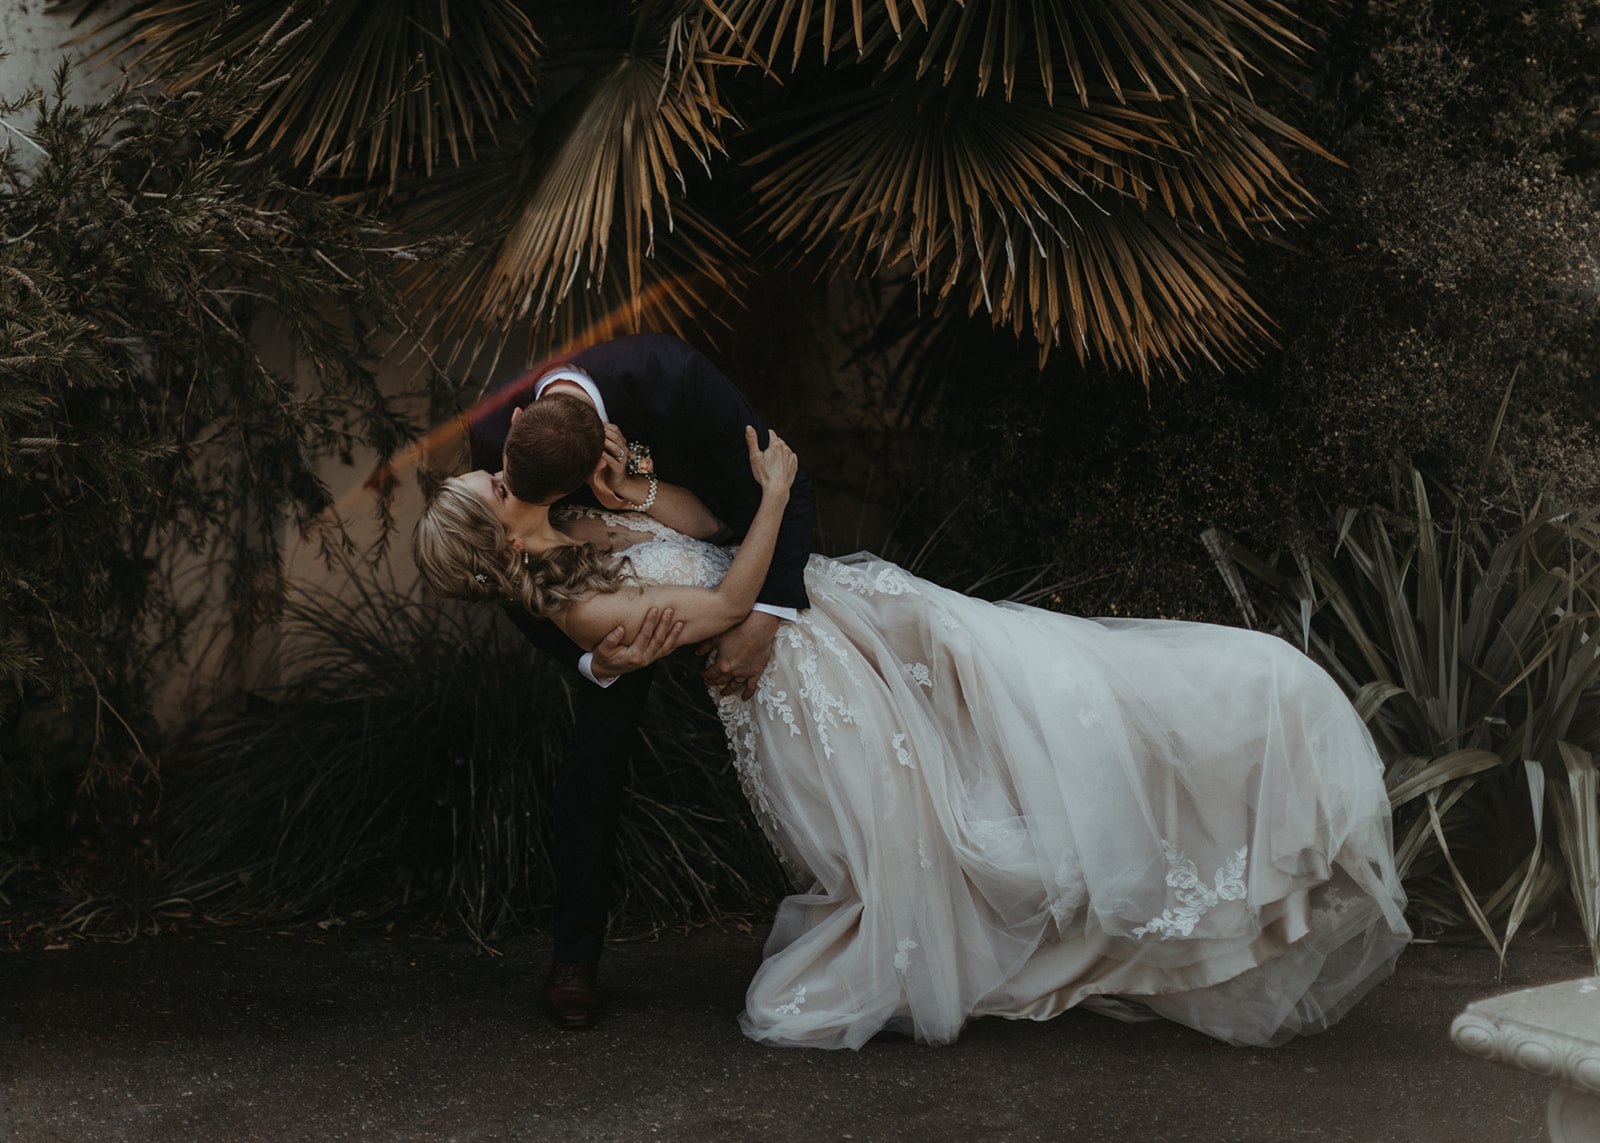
(1574, 1115)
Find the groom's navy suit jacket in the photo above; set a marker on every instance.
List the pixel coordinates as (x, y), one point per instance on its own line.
(663, 393)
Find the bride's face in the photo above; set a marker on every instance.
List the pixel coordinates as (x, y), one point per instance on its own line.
(491, 489)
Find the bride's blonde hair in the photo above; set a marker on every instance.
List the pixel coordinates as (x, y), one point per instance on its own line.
(463, 552)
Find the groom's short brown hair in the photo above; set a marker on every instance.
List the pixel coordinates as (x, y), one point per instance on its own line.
(552, 448)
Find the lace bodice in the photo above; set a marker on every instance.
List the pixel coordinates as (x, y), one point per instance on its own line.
(666, 557)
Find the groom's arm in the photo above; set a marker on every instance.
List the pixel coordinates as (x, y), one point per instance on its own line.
(657, 637)
(709, 414)
(717, 413)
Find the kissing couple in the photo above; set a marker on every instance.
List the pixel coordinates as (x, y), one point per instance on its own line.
(986, 808)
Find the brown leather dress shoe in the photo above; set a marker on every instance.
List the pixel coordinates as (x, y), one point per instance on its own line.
(569, 995)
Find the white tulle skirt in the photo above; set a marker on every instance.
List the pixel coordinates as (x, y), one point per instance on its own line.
(997, 810)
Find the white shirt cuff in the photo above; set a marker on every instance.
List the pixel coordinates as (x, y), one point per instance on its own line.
(586, 669)
(789, 613)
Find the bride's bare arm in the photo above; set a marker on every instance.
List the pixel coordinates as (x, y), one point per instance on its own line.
(703, 612)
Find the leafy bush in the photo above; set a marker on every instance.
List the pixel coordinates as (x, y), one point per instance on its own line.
(412, 756)
(1474, 656)
(142, 421)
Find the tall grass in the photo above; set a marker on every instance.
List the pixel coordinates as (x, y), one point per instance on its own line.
(1473, 655)
(410, 759)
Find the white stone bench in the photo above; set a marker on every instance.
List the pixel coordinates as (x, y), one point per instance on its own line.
(1550, 1031)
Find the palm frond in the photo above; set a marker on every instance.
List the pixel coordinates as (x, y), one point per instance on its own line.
(1188, 46)
(590, 230)
(362, 87)
(1036, 215)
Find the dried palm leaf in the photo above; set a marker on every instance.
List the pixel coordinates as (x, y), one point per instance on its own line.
(588, 229)
(363, 87)
(1184, 45)
(1102, 225)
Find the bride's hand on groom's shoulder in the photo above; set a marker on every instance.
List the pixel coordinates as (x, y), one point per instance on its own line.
(775, 466)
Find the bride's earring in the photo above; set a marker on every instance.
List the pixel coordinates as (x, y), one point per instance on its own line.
(524, 557)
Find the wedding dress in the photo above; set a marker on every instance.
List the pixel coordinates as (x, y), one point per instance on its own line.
(997, 810)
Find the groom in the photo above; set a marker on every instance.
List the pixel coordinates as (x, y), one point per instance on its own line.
(671, 401)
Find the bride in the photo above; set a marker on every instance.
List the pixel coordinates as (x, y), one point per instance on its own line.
(993, 809)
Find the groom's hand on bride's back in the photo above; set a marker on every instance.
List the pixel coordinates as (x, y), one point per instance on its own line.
(657, 636)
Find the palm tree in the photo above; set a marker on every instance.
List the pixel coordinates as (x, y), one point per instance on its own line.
(1080, 171)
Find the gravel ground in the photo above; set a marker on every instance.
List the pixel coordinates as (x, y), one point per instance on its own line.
(219, 1036)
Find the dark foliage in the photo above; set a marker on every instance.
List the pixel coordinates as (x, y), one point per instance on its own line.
(410, 762)
(143, 428)
(1445, 264)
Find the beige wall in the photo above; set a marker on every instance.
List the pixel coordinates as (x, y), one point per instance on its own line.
(35, 40)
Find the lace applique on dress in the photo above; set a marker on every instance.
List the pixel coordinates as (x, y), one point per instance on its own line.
(1071, 891)
(1062, 909)
(828, 710)
(987, 833)
(902, 953)
(919, 674)
(793, 1007)
(1195, 897)
(669, 557)
(740, 728)
(775, 703)
(889, 580)
(901, 754)
(632, 521)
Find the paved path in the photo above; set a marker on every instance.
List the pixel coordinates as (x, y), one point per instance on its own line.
(222, 1037)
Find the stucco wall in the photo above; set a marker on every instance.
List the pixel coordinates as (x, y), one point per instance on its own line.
(36, 39)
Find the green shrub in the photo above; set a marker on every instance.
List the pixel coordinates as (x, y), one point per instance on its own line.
(142, 420)
(1474, 656)
(411, 758)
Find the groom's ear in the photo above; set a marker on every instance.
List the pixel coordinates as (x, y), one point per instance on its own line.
(516, 411)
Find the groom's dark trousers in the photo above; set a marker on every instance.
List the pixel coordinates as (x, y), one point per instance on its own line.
(663, 393)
